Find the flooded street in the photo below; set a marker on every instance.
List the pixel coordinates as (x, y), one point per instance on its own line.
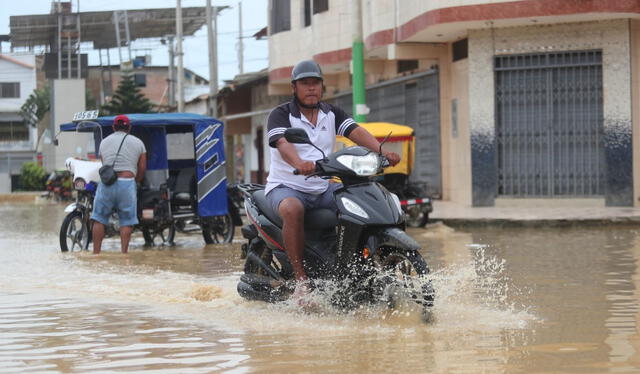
(512, 300)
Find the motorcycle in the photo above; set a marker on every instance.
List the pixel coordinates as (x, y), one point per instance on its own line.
(181, 193)
(363, 247)
(58, 185)
(75, 231)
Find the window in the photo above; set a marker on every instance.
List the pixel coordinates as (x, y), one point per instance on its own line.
(9, 90)
(280, 16)
(307, 13)
(14, 130)
(460, 49)
(140, 79)
(320, 6)
(407, 65)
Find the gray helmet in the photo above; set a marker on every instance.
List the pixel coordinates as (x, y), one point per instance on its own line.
(306, 69)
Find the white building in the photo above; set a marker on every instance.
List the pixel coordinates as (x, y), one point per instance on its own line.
(17, 140)
(528, 99)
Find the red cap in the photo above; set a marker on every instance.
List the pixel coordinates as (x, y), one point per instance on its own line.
(122, 119)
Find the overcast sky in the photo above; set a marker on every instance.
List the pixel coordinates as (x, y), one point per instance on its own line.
(254, 17)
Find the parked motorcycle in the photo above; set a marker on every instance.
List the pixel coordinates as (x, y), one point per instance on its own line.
(58, 185)
(363, 247)
(75, 232)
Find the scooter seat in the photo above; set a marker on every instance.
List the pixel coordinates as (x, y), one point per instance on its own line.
(314, 219)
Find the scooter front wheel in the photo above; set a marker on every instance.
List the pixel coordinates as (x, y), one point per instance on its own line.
(74, 233)
(404, 272)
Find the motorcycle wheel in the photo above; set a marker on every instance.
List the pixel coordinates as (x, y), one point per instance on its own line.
(154, 237)
(219, 229)
(407, 269)
(417, 216)
(74, 234)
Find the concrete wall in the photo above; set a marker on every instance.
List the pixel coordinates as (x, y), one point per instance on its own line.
(67, 98)
(458, 159)
(5, 183)
(612, 37)
(634, 39)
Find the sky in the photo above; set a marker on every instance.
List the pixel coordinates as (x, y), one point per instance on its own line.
(254, 17)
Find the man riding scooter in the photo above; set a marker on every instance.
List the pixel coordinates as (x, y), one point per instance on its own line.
(290, 195)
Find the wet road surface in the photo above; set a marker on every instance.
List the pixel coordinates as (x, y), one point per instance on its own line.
(517, 300)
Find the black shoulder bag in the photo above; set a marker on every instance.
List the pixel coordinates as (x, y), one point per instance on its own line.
(108, 175)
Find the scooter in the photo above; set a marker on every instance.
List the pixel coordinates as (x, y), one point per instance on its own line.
(75, 232)
(363, 247)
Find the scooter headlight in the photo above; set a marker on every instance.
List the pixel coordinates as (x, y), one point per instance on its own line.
(366, 165)
(352, 207)
(79, 184)
(396, 202)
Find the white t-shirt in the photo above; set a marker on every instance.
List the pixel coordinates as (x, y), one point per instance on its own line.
(331, 121)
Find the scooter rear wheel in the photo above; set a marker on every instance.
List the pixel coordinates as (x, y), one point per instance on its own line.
(153, 236)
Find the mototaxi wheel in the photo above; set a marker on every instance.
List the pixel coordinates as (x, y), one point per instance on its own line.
(417, 216)
(218, 229)
(154, 236)
(404, 273)
(74, 233)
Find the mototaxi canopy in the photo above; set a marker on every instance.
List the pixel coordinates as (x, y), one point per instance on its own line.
(153, 128)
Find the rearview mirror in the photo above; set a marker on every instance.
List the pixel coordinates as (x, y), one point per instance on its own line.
(296, 135)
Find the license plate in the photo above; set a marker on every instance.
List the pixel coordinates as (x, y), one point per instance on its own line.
(86, 115)
(147, 213)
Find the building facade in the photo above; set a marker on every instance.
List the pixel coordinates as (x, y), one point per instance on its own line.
(155, 84)
(17, 139)
(531, 99)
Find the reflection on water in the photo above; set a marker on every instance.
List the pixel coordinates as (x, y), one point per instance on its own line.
(508, 300)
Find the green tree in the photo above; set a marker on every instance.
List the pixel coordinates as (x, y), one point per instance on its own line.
(32, 177)
(36, 105)
(127, 98)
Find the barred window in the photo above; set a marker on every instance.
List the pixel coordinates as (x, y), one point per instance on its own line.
(14, 130)
(9, 90)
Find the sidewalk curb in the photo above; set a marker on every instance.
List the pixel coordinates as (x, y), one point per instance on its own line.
(551, 222)
(21, 197)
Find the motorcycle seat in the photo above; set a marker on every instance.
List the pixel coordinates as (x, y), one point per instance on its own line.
(314, 219)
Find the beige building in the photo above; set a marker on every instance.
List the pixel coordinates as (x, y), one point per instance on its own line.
(531, 99)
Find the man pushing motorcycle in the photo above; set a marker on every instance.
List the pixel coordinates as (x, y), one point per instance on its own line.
(290, 195)
(128, 156)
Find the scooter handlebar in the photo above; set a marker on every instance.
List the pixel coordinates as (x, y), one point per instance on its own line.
(297, 172)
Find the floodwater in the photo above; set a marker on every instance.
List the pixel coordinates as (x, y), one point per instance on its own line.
(513, 300)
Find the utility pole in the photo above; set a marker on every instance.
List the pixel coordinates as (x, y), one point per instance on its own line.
(126, 33)
(79, 35)
(172, 73)
(180, 77)
(240, 44)
(360, 109)
(116, 23)
(212, 39)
